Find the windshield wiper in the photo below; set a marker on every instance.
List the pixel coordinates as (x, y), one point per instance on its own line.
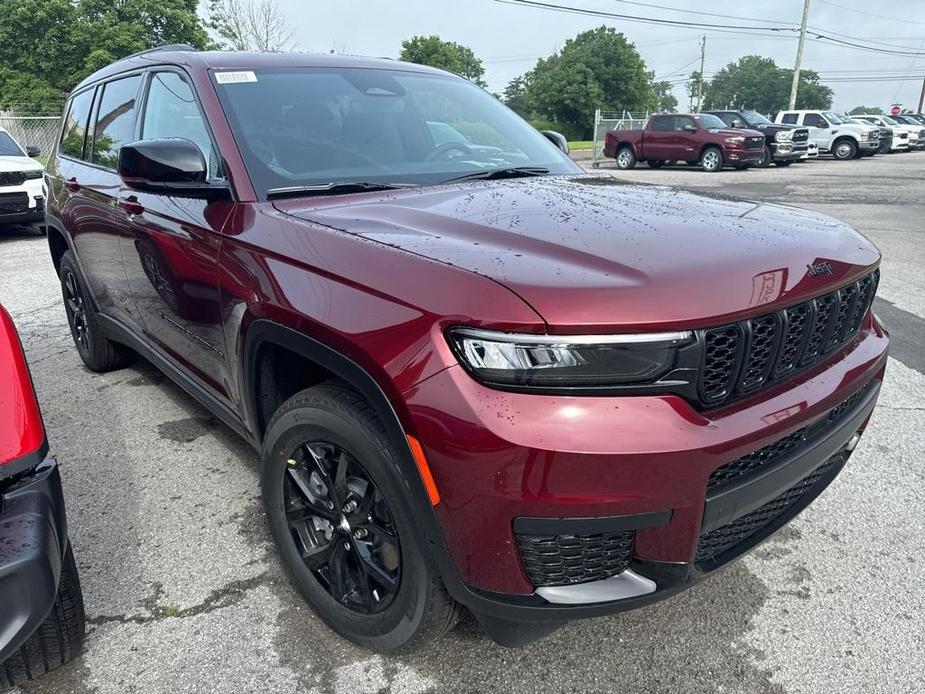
(511, 172)
(341, 188)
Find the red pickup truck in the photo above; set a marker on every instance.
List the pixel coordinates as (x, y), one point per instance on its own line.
(693, 138)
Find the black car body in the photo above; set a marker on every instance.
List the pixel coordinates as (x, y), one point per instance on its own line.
(785, 143)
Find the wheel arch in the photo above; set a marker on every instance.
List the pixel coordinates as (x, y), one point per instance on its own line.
(264, 334)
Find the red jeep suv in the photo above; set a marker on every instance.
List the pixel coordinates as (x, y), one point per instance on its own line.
(477, 375)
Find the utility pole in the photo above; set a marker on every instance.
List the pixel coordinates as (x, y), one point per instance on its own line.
(922, 97)
(703, 55)
(796, 67)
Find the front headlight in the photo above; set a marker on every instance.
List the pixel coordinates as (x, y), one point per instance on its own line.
(735, 140)
(864, 135)
(32, 175)
(567, 361)
(783, 136)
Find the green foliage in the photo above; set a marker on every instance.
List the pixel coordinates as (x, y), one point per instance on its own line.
(571, 132)
(665, 99)
(446, 55)
(48, 46)
(598, 68)
(759, 84)
(869, 110)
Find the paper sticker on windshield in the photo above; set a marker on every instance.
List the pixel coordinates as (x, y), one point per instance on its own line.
(235, 77)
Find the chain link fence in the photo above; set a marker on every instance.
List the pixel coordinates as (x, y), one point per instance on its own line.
(33, 126)
(608, 121)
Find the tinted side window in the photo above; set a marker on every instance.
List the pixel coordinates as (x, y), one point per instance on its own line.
(172, 111)
(75, 125)
(728, 118)
(115, 120)
(790, 118)
(814, 120)
(680, 122)
(663, 123)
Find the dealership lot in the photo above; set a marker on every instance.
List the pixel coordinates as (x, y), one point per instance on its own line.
(184, 591)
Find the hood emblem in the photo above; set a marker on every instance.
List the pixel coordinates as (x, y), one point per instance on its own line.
(817, 269)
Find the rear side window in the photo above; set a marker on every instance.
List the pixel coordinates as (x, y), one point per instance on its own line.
(663, 123)
(790, 118)
(75, 125)
(171, 111)
(115, 120)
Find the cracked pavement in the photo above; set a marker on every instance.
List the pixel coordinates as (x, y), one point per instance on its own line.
(184, 591)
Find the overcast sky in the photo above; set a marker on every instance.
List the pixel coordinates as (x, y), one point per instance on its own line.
(510, 38)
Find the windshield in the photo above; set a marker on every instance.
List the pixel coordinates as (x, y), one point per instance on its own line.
(319, 126)
(8, 146)
(709, 121)
(754, 118)
(888, 120)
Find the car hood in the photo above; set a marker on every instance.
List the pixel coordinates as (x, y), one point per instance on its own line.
(596, 253)
(13, 163)
(743, 132)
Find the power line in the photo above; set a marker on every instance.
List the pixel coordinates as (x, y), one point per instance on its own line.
(870, 14)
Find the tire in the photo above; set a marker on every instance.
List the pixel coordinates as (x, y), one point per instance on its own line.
(418, 609)
(97, 352)
(626, 160)
(655, 163)
(783, 164)
(57, 641)
(711, 160)
(766, 159)
(844, 149)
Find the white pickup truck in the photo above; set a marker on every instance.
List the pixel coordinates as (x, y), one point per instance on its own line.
(833, 134)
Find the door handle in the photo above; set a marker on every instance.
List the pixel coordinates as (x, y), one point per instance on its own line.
(72, 185)
(131, 205)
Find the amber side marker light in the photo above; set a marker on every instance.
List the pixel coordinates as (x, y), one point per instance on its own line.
(424, 470)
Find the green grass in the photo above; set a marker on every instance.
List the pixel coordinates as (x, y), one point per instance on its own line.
(580, 144)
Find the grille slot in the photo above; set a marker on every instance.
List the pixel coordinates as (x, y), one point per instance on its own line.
(756, 461)
(14, 203)
(741, 358)
(561, 560)
(727, 537)
(721, 360)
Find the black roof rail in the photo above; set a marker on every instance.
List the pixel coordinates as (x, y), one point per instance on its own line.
(163, 47)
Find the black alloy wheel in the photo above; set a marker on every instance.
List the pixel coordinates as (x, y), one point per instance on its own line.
(342, 527)
(76, 311)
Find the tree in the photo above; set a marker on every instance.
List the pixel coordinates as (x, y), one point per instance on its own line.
(251, 25)
(515, 94)
(693, 88)
(759, 84)
(73, 38)
(866, 110)
(598, 68)
(446, 55)
(664, 97)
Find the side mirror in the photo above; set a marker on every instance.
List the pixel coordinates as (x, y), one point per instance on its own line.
(736, 123)
(33, 151)
(169, 166)
(689, 128)
(558, 139)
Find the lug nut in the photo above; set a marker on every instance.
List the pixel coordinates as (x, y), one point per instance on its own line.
(330, 506)
(350, 506)
(360, 533)
(347, 546)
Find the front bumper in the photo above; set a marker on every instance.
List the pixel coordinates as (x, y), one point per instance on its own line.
(508, 463)
(744, 156)
(869, 146)
(30, 211)
(33, 540)
(788, 151)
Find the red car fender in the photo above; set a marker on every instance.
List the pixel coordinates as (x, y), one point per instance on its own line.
(22, 434)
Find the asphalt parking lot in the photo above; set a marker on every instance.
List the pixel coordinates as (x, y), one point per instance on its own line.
(184, 592)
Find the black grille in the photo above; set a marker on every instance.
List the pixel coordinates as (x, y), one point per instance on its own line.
(741, 358)
(754, 143)
(726, 537)
(755, 461)
(561, 560)
(800, 135)
(12, 178)
(14, 203)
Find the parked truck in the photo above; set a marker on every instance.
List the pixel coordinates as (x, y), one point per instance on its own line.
(833, 134)
(784, 144)
(693, 138)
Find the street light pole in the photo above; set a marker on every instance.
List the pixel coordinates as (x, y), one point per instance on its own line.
(799, 61)
(703, 55)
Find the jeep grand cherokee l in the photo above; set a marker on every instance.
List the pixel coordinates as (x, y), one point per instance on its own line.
(477, 376)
